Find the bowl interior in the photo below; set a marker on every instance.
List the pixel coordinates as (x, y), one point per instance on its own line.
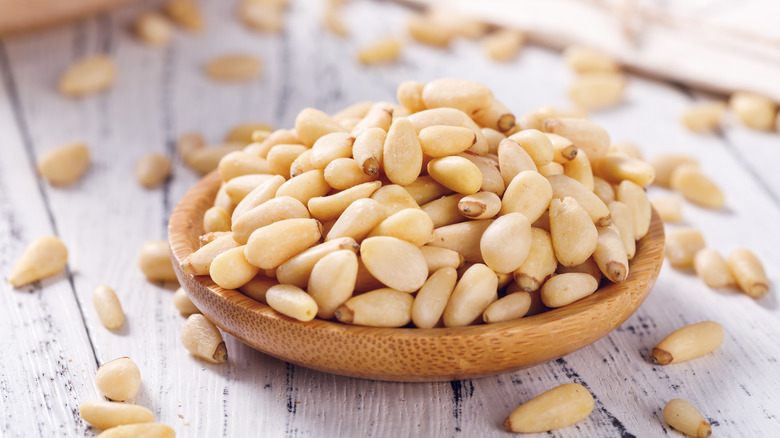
(409, 354)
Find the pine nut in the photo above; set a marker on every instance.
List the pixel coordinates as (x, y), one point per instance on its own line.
(442, 141)
(333, 21)
(585, 60)
(536, 144)
(666, 164)
(598, 90)
(603, 190)
(749, 273)
(331, 207)
(456, 173)
(152, 170)
(292, 301)
(432, 297)
(396, 263)
(563, 289)
(108, 307)
(589, 267)
(262, 16)
(669, 208)
(493, 139)
(623, 220)
(64, 164)
(506, 242)
(204, 160)
(426, 30)
(296, 271)
(260, 194)
(425, 189)
(377, 308)
(496, 116)
(303, 187)
(685, 418)
(580, 169)
(564, 186)
(409, 94)
(586, 135)
(753, 110)
(462, 237)
(459, 24)
(118, 379)
(359, 219)
(402, 153)
(437, 258)
(88, 75)
(703, 117)
(145, 430)
(280, 136)
(503, 44)
(557, 408)
(365, 281)
(444, 211)
(207, 238)
(203, 340)
(45, 256)
(183, 303)
(711, 267)
(574, 236)
(153, 29)
(626, 148)
(618, 167)
(332, 281)
(564, 149)
(281, 157)
(379, 116)
(233, 68)
(449, 117)
(105, 415)
(610, 255)
(688, 342)
(198, 263)
(696, 187)
(189, 142)
(231, 270)
(273, 210)
(239, 163)
(492, 181)
(539, 264)
(329, 147)
(473, 293)
(681, 247)
(511, 307)
(528, 193)
(394, 198)
(382, 51)
(481, 205)
(343, 173)
(411, 224)
(155, 261)
(513, 159)
(367, 150)
(248, 132)
(467, 96)
(185, 13)
(257, 287)
(216, 219)
(635, 198)
(271, 245)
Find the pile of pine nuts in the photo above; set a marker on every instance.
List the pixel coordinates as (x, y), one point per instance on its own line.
(440, 210)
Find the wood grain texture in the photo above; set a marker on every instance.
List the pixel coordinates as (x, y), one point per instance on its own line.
(105, 219)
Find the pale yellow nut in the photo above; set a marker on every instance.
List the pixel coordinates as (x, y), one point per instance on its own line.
(108, 307)
(449, 117)
(291, 301)
(394, 198)
(506, 242)
(563, 289)
(437, 258)
(564, 186)
(205, 239)
(589, 267)
(444, 211)
(88, 76)
(271, 245)
(307, 185)
(460, 24)
(456, 173)
(409, 94)
(441, 141)
(155, 261)
(260, 194)
(473, 293)
(635, 198)
(492, 181)
(665, 164)
(189, 142)
(198, 263)
(311, 124)
(105, 415)
(513, 306)
(332, 281)
(45, 256)
(118, 379)
(539, 264)
(396, 263)
(462, 237)
(574, 236)
(696, 187)
(703, 117)
(503, 44)
(431, 299)
(712, 268)
(610, 254)
(145, 430)
(331, 207)
(411, 224)
(329, 147)
(273, 210)
(618, 167)
(688, 342)
(249, 132)
(296, 271)
(240, 163)
(380, 116)
(580, 169)
(367, 150)
(669, 208)
(603, 190)
(365, 281)
(513, 159)
(586, 135)
(493, 138)
(564, 149)
(425, 189)
(685, 418)
(480, 205)
(681, 246)
(153, 28)
(467, 96)
(343, 173)
(528, 193)
(425, 30)
(753, 110)
(538, 145)
(234, 68)
(257, 287)
(185, 13)
(586, 60)
(261, 16)
(496, 116)
(383, 51)
(557, 408)
(279, 136)
(378, 308)
(535, 119)
(183, 303)
(749, 273)
(334, 22)
(216, 219)
(152, 170)
(231, 270)
(203, 340)
(204, 160)
(64, 164)
(623, 220)
(402, 154)
(598, 90)
(359, 219)
(281, 157)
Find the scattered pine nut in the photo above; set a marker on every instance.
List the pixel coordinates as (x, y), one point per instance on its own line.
(233, 68)
(183, 303)
(695, 186)
(333, 21)
(108, 307)
(669, 208)
(153, 29)
(703, 117)
(753, 110)
(380, 52)
(105, 414)
(203, 340)
(45, 256)
(688, 342)
(585, 60)
(118, 379)
(146, 430)
(557, 408)
(685, 418)
(712, 268)
(185, 13)
(152, 170)
(749, 273)
(64, 164)
(155, 261)
(88, 75)
(503, 44)
(262, 16)
(682, 244)
(595, 91)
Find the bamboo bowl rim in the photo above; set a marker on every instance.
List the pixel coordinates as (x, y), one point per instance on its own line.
(409, 354)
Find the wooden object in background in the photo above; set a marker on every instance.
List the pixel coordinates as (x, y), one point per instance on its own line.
(24, 15)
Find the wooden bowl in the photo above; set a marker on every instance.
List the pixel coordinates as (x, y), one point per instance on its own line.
(409, 354)
(24, 15)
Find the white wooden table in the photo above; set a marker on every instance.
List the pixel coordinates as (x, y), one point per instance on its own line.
(52, 342)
